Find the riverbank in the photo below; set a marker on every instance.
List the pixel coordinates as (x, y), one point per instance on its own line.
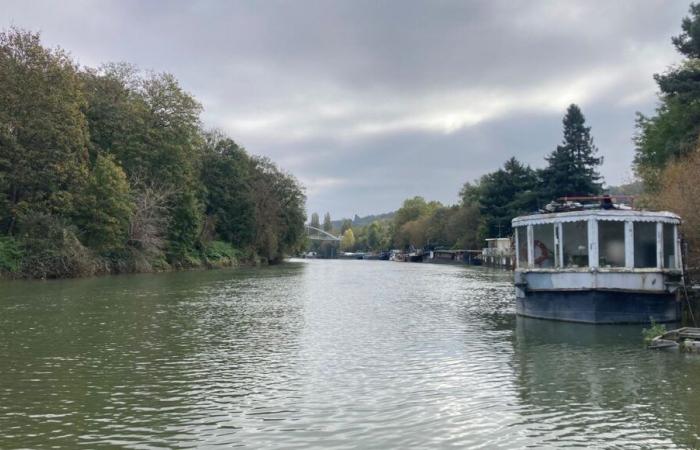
(77, 261)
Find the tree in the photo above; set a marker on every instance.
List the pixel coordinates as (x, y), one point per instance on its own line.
(679, 192)
(345, 225)
(462, 229)
(105, 207)
(184, 228)
(573, 166)
(348, 240)
(414, 208)
(374, 237)
(673, 131)
(151, 215)
(43, 132)
(315, 222)
(505, 194)
(688, 42)
(327, 223)
(225, 176)
(109, 169)
(279, 210)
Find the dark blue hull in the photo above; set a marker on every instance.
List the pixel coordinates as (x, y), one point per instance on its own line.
(600, 306)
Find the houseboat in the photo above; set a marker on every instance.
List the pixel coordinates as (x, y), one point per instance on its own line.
(600, 263)
(498, 253)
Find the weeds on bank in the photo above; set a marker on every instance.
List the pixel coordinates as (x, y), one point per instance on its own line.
(656, 329)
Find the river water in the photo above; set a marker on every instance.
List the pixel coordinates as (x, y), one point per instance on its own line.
(325, 354)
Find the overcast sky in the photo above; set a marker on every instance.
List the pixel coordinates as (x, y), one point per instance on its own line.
(371, 102)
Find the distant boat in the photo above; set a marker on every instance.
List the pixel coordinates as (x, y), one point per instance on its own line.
(604, 264)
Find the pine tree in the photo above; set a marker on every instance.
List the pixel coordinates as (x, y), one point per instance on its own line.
(672, 132)
(573, 166)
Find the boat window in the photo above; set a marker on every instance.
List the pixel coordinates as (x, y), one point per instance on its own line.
(611, 243)
(575, 243)
(644, 244)
(543, 245)
(670, 246)
(522, 246)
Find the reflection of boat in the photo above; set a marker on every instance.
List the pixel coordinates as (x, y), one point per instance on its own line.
(599, 264)
(415, 257)
(585, 377)
(539, 333)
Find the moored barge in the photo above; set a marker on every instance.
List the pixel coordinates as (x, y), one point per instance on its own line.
(601, 264)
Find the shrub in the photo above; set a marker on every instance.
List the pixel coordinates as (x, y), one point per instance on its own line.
(10, 254)
(656, 329)
(221, 253)
(52, 250)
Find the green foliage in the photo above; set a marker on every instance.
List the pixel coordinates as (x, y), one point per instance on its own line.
(315, 221)
(346, 225)
(413, 209)
(51, 248)
(185, 226)
(672, 133)
(109, 170)
(688, 42)
(10, 254)
(43, 132)
(348, 241)
(279, 210)
(655, 330)
(105, 207)
(327, 223)
(573, 166)
(504, 194)
(374, 236)
(226, 180)
(221, 253)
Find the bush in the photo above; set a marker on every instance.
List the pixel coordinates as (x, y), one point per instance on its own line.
(10, 254)
(656, 329)
(220, 253)
(52, 250)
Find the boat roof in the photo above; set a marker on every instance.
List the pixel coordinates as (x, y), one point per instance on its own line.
(620, 215)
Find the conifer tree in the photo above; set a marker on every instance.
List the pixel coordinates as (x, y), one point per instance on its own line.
(672, 133)
(573, 166)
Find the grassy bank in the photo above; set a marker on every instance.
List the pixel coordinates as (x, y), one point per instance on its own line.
(70, 259)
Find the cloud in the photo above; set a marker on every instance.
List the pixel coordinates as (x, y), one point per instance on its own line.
(371, 102)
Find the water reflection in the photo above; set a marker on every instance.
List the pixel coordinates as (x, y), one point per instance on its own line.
(583, 384)
(325, 354)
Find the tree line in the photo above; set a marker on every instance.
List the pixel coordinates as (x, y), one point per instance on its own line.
(488, 204)
(110, 170)
(667, 159)
(666, 166)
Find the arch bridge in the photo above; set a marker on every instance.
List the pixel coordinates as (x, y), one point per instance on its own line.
(317, 234)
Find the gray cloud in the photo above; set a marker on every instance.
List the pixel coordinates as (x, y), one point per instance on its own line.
(369, 102)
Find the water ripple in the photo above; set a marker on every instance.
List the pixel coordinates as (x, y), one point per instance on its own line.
(325, 354)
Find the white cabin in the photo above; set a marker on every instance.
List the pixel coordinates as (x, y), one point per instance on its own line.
(608, 240)
(598, 265)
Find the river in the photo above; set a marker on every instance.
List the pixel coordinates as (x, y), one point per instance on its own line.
(325, 354)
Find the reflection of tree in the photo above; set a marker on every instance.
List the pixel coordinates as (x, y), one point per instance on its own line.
(596, 385)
